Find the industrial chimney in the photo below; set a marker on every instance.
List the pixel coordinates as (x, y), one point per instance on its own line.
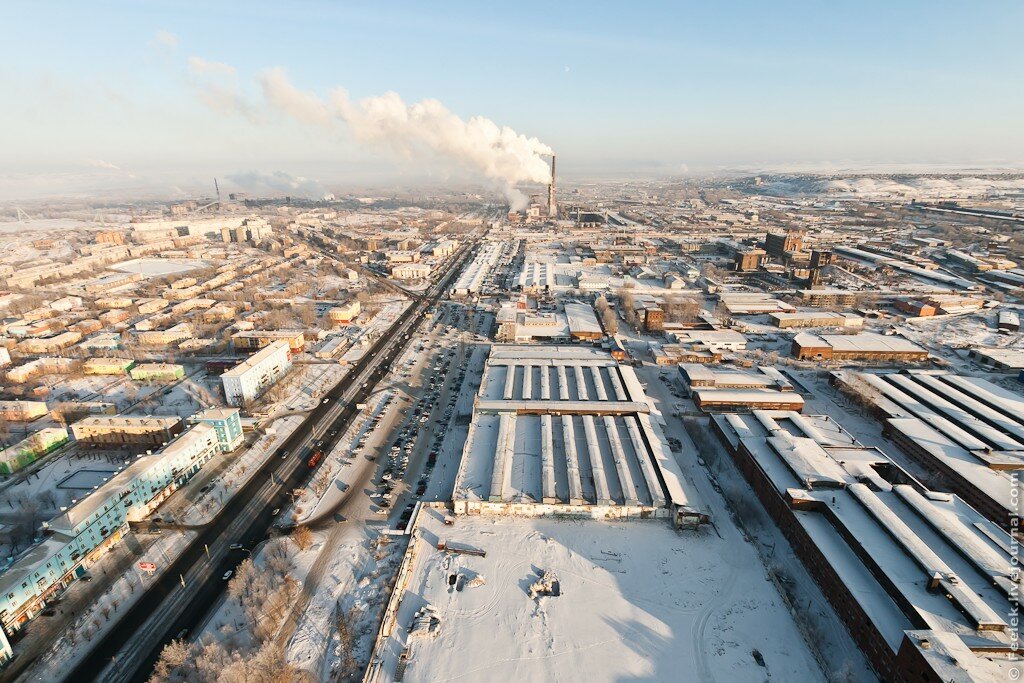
(552, 206)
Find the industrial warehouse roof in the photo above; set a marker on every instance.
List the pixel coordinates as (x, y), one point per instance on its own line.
(582, 319)
(559, 425)
(863, 342)
(967, 425)
(888, 538)
(823, 316)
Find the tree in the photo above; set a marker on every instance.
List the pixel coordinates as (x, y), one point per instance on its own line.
(172, 658)
(302, 537)
(610, 321)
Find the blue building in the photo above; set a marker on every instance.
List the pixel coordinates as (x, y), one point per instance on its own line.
(228, 424)
(77, 538)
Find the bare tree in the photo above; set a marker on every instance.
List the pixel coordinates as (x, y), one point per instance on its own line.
(610, 321)
(302, 537)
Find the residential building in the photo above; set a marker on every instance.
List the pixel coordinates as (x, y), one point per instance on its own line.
(228, 424)
(250, 340)
(22, 411)
(82, 534)
(28, 450)
(249, 379)
(108, 366)
(122, 430)
(157, 372)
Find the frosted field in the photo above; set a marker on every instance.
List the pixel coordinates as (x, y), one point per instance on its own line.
(157, 267)
(638, 601)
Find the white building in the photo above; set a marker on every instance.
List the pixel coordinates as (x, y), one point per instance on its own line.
(411, 271)
(250, 378)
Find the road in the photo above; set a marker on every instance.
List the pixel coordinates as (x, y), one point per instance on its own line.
(178, 601)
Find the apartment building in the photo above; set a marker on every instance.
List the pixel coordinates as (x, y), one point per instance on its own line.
(249, 379)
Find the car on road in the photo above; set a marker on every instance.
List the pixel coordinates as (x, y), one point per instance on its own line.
(227, 575)
(276, 512)
(326, 400)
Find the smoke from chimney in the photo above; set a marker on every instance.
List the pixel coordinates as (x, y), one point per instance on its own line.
(420, 130)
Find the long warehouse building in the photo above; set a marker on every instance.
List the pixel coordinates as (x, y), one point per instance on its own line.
(925, 585)
(566, 430)
(967, 430)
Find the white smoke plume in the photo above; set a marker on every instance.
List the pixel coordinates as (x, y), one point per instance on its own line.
(218, 88)
(277, 183)
(427, 127)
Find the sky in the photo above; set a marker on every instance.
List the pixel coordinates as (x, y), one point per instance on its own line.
(172, 93)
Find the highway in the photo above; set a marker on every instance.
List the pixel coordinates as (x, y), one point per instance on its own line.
(178, 601)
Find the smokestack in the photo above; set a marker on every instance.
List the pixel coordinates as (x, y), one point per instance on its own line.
(552, 206)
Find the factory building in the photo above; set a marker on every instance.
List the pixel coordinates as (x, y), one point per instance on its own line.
(863, 346)
(566, 430)
(998, 358)
(924, 584)
(583, 323)
(747, 260)
(122, 430)
(249, 379)
(1008, 322)
(734, 390)
(815, 319)
(967, 430)
(475, 274)
(82, 534)
(778, 245)
(537, 277)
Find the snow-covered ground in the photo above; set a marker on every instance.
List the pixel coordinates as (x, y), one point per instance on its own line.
(157, 267)
(738, 517)
(637, 601)
(353, 571)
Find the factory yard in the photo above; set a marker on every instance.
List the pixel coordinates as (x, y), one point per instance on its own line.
(634, 600)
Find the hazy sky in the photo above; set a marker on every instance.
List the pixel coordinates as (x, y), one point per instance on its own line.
(171, 90)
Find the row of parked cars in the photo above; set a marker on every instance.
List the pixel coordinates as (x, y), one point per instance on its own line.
(404, 444)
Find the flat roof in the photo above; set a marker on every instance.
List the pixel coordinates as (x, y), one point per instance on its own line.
(866, 342)
(582, 318)
(256, 358)
(631, 596)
